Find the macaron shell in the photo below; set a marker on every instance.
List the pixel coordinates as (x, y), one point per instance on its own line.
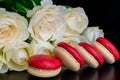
(89, 59)
(43, 73)
(107, 44)
(44, 62)
(108, 57)
(93, 51)
(73, 52)
(66, 58)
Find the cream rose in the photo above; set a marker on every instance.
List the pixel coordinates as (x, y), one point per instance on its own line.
(76, 20)
(3, 65)
(73, 40)
(91, 33)
(47, 22)
(16, 55)
(2, 11)
(13, 27)
(42, 48)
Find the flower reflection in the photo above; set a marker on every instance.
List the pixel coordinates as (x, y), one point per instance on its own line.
(14, 76)
(3, 76)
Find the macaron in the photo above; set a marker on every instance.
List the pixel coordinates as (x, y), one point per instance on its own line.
(107, 49)
(69, 56)
(91, 55)
(44, 66)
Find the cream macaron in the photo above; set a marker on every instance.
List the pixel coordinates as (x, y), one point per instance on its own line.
(91, 55)
(107, 49)
(69, 56)
(44, 66)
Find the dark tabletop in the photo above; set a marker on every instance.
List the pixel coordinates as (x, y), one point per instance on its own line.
(104, 72)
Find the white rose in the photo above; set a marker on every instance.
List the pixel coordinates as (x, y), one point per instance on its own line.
(47, 22)
(42, 48)
(46, 2)
(13, 27)
(16, 55)
(73, 40)
(91, 33)
(76, 20)
(3, 65)
(2, 10)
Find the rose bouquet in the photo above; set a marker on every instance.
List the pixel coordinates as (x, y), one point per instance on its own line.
(39, 31)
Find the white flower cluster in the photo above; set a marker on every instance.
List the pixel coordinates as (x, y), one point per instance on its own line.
(49, 24)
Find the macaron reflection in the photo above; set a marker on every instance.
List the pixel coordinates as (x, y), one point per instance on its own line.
(89, 74)
(31, 77)
(69, 75)
(107, 72)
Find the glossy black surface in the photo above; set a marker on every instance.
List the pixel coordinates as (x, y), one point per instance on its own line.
(104, 72)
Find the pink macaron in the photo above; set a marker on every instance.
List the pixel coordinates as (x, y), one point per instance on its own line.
(44, 66)
(91, 55)
(107, 49)
(69, 56)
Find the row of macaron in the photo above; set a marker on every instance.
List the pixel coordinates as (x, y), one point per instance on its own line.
(73, 58)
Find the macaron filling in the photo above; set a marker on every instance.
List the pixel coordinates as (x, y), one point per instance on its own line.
(44, 62)
(72, 51)
(109, 46)
(93, 51)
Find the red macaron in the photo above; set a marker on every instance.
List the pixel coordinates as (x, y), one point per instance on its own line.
(107, 49)
(69, 56)
(44, 65)
(90, 54)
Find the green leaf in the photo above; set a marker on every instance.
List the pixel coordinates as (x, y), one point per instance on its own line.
(67, 6)
(28, 40)
(1, 0)
(26, 3)
(34, 4)
(21, 8)
(8, 4)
